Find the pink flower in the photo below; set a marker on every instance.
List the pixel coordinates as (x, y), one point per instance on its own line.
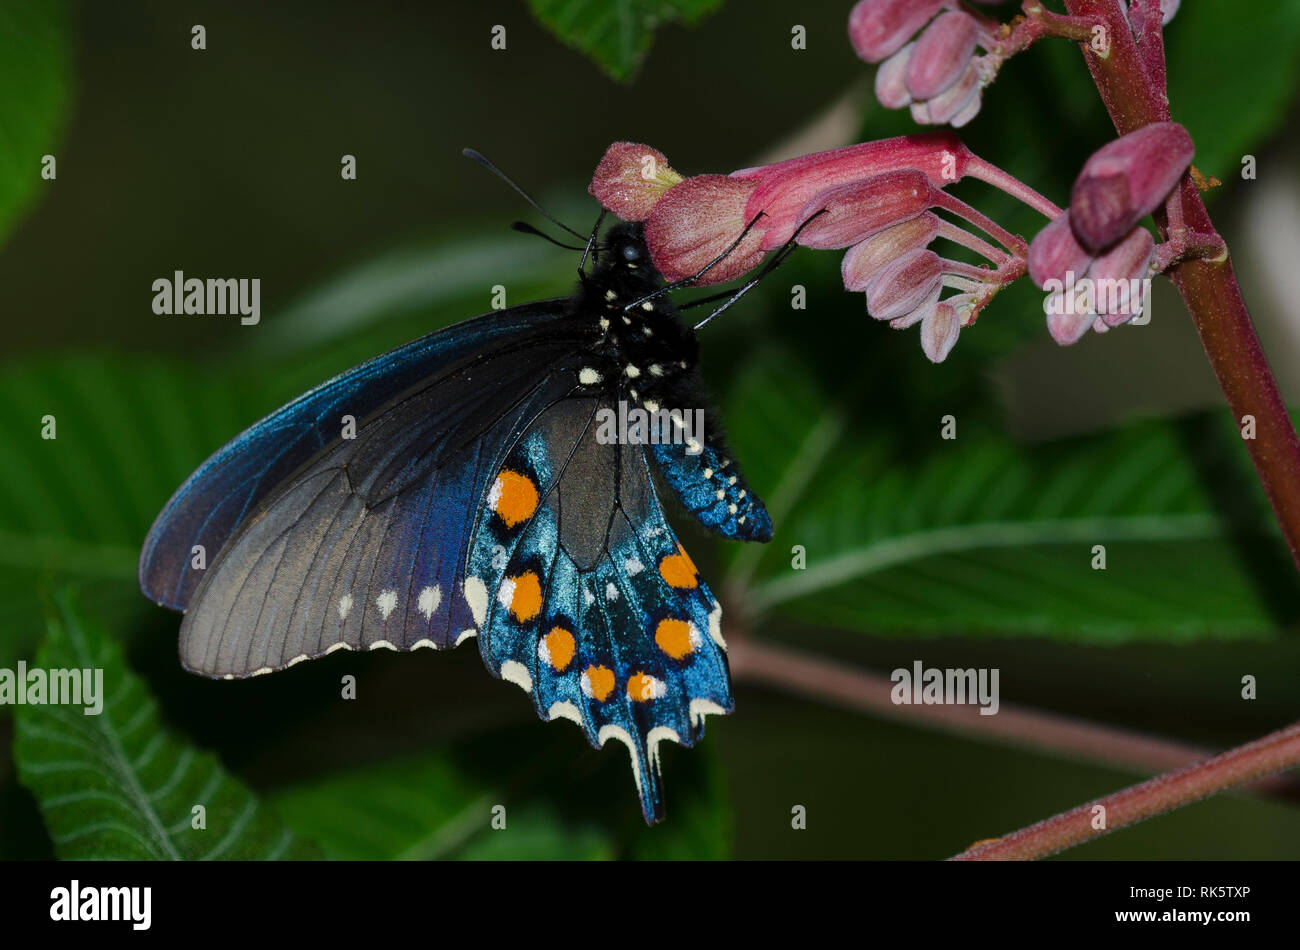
(698, 220)
(1126, 180)
(876, 200)
(878, 28)
(631, 179)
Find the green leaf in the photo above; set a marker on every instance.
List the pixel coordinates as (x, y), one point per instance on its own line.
(527, 793)
(905, 532)
(36, 72)
(118, 785)
(76, 507)
(616, 33)
(1233, 72)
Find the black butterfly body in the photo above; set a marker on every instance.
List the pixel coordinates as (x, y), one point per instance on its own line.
(482, 495)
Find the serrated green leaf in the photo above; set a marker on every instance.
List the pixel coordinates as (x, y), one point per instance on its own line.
(906, 532)
(118, 785)
(616, 33)
(36, 70)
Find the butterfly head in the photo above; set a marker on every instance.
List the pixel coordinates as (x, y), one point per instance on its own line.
(624, 265)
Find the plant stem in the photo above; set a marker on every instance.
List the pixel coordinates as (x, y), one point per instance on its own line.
(1273, 753)
(1209, 288)
(836, 683)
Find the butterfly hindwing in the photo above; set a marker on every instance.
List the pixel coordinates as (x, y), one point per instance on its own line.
(592, 606)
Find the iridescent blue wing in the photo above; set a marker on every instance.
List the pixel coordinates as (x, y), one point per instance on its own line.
(364, 546)
(586, 600)
(232, 484)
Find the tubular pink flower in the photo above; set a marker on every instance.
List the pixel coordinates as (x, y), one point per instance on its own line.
(630, 180)
(859, 209)
(879, 28)
(939, 330)
(904, 284)
(786, 188)
(942, 54)
(1127, 261)
(1068, 325)
(1054, 253)
(950, 106)
(696, 221)
(1126, 180)
(862, 261)
(891, 79)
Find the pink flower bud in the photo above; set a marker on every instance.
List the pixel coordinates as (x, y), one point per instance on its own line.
(902, 286)
(1126, 180)
(1069, 315)
(879, 28)
(1113, 276)
(1054, 253)
(859, 209)
(939, 330)
(950, 104)
(862, 261)
(631, 179)
(891, 79)
(786, 188)
(942, 53)
(699, 219)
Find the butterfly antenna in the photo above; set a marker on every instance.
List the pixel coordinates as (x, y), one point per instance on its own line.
(523, 227)
(479, 157)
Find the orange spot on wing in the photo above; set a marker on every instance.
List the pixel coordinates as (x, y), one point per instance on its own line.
(641, 688)
(526, 600)
(678, 570)
(674, 638)
(598, 682)
(559, 648)
(515, 497)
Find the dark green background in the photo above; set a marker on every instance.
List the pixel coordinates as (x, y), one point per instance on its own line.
(226, 162)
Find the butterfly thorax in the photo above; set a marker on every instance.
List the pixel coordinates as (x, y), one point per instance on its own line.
(641, 348)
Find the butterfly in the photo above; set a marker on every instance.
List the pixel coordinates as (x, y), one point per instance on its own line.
(479, 494)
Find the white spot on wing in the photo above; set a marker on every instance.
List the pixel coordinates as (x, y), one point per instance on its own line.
(477, 599)
(512, 671)
(386, 601)
(382, 645)
(338, 646)
(505, 594)
(588, 376)
(465, 635)
(425, 643)
(563, 710)
(633, 566)
(429, 600)
(611, 591)
(345, 605)
(715, 625)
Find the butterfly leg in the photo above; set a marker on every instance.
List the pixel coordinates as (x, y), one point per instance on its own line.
(688, 281)
(775, 261)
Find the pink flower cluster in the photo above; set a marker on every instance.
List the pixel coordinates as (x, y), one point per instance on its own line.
(938, 74)
(876, 201)
(1093, 258)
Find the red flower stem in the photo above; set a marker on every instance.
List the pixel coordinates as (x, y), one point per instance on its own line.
(1273, 753)
(984, 171)
(941, 199)
(1208, 287)
(961, 236)
(836, 683)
